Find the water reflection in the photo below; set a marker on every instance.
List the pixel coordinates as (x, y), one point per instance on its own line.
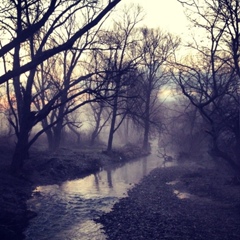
(67, 211)
(109, 178)
(182, 195)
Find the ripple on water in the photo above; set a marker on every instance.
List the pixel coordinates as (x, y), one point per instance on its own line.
(67, 211)
(67, 217)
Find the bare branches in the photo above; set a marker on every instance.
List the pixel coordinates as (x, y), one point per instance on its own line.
(44, 55)
(210, 79)
(25, 34)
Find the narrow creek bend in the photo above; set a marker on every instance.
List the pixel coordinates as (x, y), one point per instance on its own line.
(67, 211)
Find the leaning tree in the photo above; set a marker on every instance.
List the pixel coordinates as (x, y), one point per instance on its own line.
(209, 77)
(22, 22)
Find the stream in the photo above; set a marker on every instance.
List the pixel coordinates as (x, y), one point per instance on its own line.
(67, 211)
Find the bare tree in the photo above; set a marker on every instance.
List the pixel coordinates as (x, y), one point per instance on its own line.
(23, 23)
(99, 121)
(60, 71)
(118, 62)
(156, 50)
(210, 78)
(55, 15)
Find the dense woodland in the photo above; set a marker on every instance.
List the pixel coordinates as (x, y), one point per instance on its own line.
(87, 71)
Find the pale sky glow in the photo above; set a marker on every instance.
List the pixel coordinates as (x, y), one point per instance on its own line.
(166, 14)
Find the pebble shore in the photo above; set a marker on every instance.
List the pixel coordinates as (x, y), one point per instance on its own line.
(177, 203)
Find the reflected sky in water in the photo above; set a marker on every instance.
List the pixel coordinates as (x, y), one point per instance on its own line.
(67, 211)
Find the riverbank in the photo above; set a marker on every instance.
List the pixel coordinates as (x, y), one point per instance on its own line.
(181, 202)
(44, 168)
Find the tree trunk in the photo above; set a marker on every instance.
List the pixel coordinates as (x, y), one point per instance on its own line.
(146, 136)
(49, 134)
(147, 123)
(96, 130)
(20, 152)
(57, 130)
(50, 139)
(111, 132)
(217, 152)
(114, 117)
(93, 137)
(26, 121)
(78, 135)
(127, 130)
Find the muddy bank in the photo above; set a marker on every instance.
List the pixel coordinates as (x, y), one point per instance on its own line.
(44, 168)
(187, 202)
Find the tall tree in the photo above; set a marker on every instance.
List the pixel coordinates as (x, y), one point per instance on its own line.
(156, 49)
(119, 60)
(210, 78)
(54, 16)
(99, 121)
(22, 23)
(60, 70)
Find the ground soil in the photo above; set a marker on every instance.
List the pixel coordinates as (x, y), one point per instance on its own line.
(154, 209)
(183, 202)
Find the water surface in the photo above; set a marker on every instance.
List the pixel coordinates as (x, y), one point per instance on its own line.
(67, 211)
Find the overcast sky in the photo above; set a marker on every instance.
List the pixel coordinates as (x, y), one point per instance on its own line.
(166, 14)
